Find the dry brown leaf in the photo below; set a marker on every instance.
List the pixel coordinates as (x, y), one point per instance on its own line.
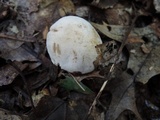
(135, 40)
(104, 28)
(123, 97)
(117, 32)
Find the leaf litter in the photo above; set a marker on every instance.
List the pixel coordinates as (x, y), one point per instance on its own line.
(130, 83)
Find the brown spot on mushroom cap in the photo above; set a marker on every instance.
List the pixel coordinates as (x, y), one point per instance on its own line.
(54, 30)
(56, 49)
(75, 55)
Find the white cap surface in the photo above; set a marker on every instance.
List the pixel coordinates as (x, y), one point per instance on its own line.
(71, 44)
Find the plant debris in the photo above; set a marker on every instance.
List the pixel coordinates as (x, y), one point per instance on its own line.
(125, 87)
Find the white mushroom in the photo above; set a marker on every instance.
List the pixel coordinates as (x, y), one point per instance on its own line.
(71, 44)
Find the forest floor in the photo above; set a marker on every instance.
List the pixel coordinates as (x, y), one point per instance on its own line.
(32, 88)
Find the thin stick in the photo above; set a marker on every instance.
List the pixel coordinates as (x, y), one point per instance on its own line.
(14, 38)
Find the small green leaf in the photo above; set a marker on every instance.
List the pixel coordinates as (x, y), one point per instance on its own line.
(70, 83)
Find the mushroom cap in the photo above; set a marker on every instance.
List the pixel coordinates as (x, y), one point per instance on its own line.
(71, 44)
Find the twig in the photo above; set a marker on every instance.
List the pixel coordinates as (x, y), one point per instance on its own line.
(14, 38)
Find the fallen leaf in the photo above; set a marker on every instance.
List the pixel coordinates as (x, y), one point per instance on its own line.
(70, 83)
(123, 97)
(149, 63)
(136, 57)
(13, 50)
(117, 32)
(152, 61)
(8, 73)
(106, 30)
